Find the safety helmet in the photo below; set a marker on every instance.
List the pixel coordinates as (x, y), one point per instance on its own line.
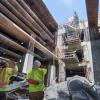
(37, 63)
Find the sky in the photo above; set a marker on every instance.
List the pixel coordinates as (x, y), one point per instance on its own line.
(63, 9)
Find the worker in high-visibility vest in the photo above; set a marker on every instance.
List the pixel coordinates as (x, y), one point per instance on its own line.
(5, 74)
(4, 77)
(36, 81)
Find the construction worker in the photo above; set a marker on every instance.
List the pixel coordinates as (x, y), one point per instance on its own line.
(3, 80)
(36, 81)
(14, 67)
(5, 74)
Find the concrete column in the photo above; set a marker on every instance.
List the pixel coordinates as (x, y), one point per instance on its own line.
(88, 60)
(95, 49)
(94, 35)
(51, 74)
(29, 57)
(59, 52)
(62, 74)
(28, 63)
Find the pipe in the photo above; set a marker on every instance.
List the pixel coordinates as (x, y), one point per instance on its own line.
(43, 13)
(19, 16)
(12, 17)
(8, 42)
(18, 33)
(34, 16)
(12, 29)
(8, 52)
(39, 57)
(31, 20)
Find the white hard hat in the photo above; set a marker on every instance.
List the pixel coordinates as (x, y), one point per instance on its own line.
(37, 63)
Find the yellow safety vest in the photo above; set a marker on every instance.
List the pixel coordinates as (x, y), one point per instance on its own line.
(16, 68)
(39, 75)
(7, 77)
